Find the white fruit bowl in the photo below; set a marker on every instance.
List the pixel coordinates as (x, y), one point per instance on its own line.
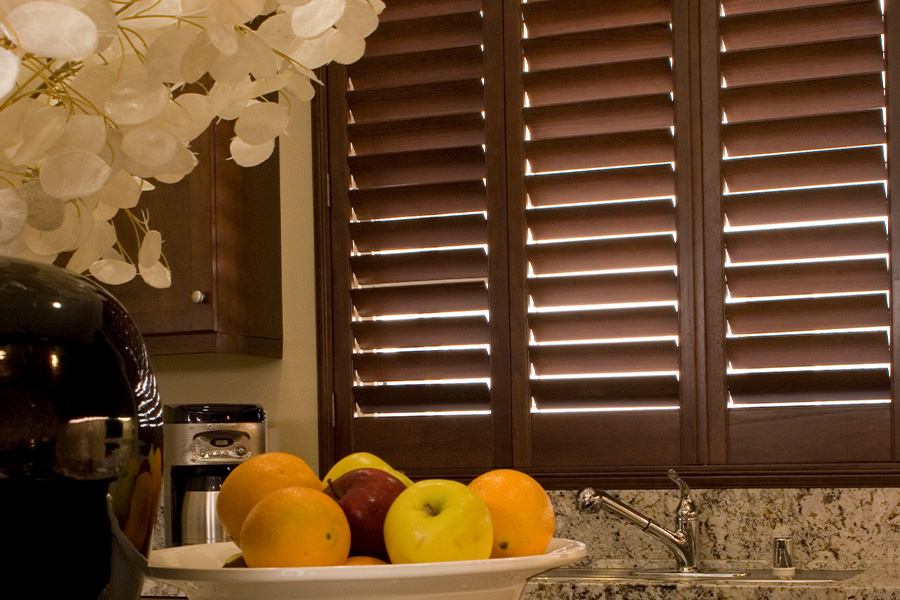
(197, 571)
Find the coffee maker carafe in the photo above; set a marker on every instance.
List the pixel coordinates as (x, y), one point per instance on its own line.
(203, 443)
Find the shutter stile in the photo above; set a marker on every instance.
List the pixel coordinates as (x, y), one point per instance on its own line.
(806, 232)
(601, 219)
(418, 230)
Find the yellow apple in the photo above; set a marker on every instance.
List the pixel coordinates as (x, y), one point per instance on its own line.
(438, 520)
(362, 460)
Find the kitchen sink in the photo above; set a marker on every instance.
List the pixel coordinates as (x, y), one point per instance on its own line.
(748, 576)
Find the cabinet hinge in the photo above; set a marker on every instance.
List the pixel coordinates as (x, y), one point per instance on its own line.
(333, 410)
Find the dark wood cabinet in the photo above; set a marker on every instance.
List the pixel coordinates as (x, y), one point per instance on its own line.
(222, 240)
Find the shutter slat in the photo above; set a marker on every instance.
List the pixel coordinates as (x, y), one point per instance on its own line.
(421, 333)
(811, 61)
(650, 216)
(611, 392)
(418, 134)
(812, 24)
(418, 200)
(657, 321)
(829, 167)
(595, 186)
(802, 99)
(833, 349)
(428, 232)
(400, 10)
(596, 255)
(628, 357)
(419, 266)
(563, 16)
(584, 84)
(810, 386)
(852, 239)
(808, 314)
(810, 133)
(737, 7)
(605, 116)
(421, 398)
(422, 365)
(427, 33)
(420, 298)
(795, 206)
(603, 151)
(599, 47)
(613, 288)
(417, 101)
(435, 66)
(427, 166)
(815, 278)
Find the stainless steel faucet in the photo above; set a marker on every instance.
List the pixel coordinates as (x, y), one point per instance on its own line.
(684, 542)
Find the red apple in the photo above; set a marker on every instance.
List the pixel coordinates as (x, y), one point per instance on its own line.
(366, 495)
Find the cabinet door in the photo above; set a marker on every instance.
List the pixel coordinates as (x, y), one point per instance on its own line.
(221, 237)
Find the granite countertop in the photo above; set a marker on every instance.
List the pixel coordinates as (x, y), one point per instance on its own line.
(877, 582)
(832, 529)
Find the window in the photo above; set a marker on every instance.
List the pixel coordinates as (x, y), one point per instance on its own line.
(597, 239)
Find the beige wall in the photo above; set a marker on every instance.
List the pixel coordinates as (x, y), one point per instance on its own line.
(285, 388)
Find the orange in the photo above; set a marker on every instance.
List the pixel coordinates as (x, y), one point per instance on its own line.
(253, 479)
(521, 512)
(364, 560)
(296, 527)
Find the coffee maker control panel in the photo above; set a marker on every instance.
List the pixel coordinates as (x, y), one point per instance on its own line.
(229, 444)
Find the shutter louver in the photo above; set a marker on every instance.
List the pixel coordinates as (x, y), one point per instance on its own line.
(601, 220)
(418, 233)
(806, 231)
(594, 239)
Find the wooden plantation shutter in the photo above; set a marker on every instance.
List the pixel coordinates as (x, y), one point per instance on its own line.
(594, 239)
(600, 212)
(415, 198)
(807, 276)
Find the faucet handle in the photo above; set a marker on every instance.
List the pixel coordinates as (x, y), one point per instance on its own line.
(682, 486)
(686, 507)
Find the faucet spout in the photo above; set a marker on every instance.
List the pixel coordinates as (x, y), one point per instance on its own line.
(684, 542)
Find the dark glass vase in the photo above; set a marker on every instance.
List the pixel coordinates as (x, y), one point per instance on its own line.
(80, 438)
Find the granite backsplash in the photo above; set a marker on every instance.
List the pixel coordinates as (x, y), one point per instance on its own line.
(832, 528)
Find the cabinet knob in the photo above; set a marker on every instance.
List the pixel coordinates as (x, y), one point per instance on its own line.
(198, 297)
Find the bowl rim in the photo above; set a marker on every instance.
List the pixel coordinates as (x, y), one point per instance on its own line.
(176, 565)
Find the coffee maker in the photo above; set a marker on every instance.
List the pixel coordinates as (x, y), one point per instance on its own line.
(203, 443)
(80, 438)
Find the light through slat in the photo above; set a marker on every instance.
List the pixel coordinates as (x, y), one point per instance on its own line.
(601, 209)
(805, 188)
(418, 232)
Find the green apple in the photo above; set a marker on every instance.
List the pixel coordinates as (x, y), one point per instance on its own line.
(436, 520)
(362, 460)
